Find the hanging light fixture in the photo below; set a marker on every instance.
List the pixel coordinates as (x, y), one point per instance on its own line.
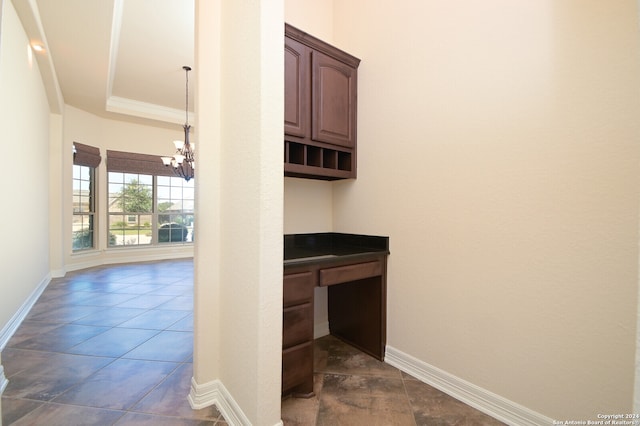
(183, 161)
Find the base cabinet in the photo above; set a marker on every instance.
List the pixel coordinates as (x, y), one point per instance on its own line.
(357, 313)
(297, 334)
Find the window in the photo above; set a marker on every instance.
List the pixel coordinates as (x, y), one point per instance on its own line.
(130, 209)
(146, 205)
(175, 205)
(83, 207)
(85, 161)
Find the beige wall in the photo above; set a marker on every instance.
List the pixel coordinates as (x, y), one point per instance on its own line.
(498, 148)
(238, 262)
(308, 204)
(312, 16)
(24, 136)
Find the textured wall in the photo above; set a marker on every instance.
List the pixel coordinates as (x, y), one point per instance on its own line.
(240, 202)
(498, 148)
(24, 136)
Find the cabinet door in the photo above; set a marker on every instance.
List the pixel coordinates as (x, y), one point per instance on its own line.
(334, 89)
(297, 289)
(297, 325)
(296, 88)
(297, 369)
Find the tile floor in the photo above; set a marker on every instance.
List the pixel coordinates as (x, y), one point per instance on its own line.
(112, 345)
(109, 345)
(352, 388)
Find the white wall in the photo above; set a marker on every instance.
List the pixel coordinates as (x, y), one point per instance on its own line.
(498, 148)
(24, 137)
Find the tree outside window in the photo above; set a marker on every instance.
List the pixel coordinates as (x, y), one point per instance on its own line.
(132, 217)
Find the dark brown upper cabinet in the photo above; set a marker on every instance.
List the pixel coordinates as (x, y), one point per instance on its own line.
(320, 111)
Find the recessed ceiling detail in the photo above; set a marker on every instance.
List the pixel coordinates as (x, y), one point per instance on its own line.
(115, 57)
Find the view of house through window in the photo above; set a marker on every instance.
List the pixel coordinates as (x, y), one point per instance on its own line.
(83, 207)
(144, 209)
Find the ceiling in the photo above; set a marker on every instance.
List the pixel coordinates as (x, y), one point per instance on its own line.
(120, 59)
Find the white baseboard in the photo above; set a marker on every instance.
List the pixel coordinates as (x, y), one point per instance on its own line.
(481, 399)
(321, 329)
(3, 380)
(124, 255)
(15, 321)
(214, 393)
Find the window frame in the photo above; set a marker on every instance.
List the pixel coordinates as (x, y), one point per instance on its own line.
(90, 214)
(89, 157)
(148, 166)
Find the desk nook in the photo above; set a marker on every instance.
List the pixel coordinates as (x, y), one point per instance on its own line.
(354, 270)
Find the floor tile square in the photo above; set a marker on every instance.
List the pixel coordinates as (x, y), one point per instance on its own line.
(363, 400)
(47, 380)
(179, 303)
(67, 415)
(155, 319)
(110, 317)
(65, 314)
(14, 409)
(113, 343)
(146, 301)
(176, 346)
(185, 324)
(120, 385)
(28, 330)
(61, 338)
(139, 419)
(169, 398)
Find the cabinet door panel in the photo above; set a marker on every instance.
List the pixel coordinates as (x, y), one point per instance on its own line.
(333, 101)
(297, 367)
(297, 289)
(296, 88)
(297, 325)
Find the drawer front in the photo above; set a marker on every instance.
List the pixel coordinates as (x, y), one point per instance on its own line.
(297, 325)
(297, 365)
(297, 289)
(344, 274)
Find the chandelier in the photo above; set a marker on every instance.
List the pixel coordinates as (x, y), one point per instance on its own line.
(183, 161)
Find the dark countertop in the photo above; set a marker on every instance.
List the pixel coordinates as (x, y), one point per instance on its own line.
(329, 246)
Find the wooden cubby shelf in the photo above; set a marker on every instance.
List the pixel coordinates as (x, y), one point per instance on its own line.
(318, 162)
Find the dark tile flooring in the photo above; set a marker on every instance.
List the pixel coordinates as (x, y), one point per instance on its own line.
(113, 345)
(352, 388)
(109, 345)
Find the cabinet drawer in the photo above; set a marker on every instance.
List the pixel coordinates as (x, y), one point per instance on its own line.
(297, 325)
(297, 365)
(344, 274)
(297, 289)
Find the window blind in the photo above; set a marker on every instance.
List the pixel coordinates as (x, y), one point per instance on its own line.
(129, 162)
(86, 155)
